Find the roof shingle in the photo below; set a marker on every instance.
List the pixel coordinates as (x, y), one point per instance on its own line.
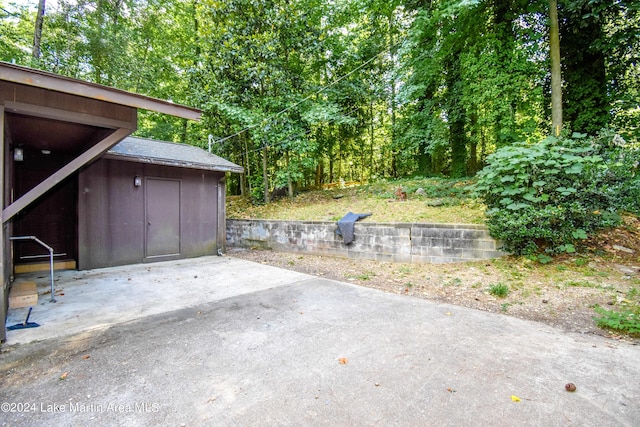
(170, 154)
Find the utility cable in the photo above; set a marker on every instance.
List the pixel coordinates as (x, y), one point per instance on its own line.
(293, 134)
(322, 89)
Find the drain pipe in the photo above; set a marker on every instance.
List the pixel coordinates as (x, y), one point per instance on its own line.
(50, 249)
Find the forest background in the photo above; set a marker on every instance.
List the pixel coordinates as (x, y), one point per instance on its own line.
(306, 92)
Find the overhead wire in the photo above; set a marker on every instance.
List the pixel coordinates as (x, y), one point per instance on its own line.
(293, 134)
(319, 91)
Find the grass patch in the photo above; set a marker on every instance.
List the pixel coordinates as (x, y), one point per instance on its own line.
(580, 284)
(404, 270)
(455, 281)
(499, 290)
(581, 262)
(362, 276)
(377, 198)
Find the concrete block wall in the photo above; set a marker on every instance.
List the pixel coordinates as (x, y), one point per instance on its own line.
(394, 242)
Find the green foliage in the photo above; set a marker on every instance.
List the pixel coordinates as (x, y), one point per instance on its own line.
(499, 290)
(352, 90)
(449, 191)
(16, 34)
(549, 196)
(626, 320)
(619, 182)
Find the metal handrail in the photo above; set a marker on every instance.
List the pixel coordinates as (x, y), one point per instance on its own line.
(47, 247)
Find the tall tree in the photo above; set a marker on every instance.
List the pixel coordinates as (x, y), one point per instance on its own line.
(585, 53)
(37, 33)
(357, 89)
(556, 77)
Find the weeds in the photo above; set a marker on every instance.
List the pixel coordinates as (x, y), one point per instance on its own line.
(404, 269)
(455, 281)
(581, 262)
(627, 319)
(579, 284)
(499, 290)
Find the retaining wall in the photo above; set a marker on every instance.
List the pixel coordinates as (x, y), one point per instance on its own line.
(395, 242)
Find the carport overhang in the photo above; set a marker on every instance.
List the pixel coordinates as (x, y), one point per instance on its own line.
(28, 105)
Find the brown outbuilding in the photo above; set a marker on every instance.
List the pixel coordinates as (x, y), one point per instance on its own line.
(74, 178)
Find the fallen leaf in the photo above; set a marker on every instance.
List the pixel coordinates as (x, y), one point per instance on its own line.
(86, 356)
(343, 360)
(515, 398)
(64, 376)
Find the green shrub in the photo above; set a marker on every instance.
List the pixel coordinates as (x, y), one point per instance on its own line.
(619, 182)
(548, 196)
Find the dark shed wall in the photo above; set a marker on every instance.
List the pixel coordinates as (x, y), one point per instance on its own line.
(111, 212)
(110, 215)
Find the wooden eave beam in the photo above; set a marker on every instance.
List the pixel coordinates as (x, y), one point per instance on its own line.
(69, 116)
(41, 79)
(58, 176)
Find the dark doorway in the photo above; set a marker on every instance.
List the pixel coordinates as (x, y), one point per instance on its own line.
(162, 213)
(53, 217)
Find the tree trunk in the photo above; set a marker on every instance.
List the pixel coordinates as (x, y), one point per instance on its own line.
(247, 172)
(458, 149)
(330, 168)
(185, 131)
(392, 100)
(243, 185)
(556, 75)
(289, 182)
(37, 33)
(456, 117)
(585, 94)
(372, 141)
(265, 175)
(424, 159)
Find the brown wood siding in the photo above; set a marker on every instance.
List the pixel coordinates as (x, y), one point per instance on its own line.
(111, 215)
(200, 214)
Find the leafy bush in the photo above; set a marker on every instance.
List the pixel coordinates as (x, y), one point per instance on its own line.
(548, 196)
(619, 182)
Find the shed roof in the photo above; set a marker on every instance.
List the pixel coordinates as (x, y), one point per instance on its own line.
(170, 154)
(42, 79)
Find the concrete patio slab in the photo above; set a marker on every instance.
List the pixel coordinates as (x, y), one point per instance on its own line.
(99, 298)
(282, 348)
